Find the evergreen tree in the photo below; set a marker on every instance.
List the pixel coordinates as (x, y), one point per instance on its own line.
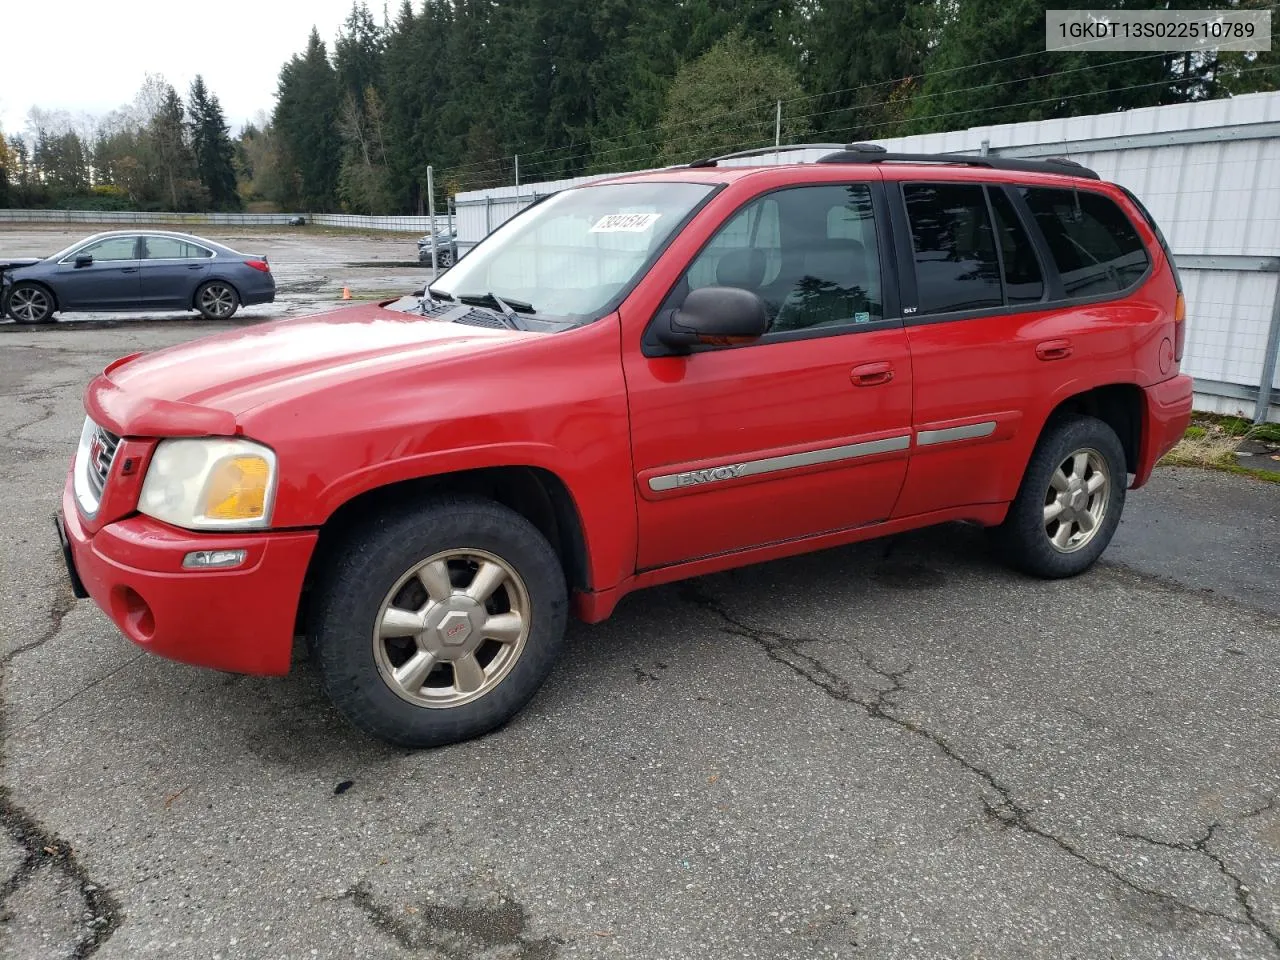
(862, 84)
(212, 149)
(167, 135)
(357, 53)
(306, 118)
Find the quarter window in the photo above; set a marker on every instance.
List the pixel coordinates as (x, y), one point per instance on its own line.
(112, 248)
(1094, 246)
(954, 247)
(171, 248)
(809, 253)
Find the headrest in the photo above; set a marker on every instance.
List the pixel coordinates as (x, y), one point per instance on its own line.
(741, 268)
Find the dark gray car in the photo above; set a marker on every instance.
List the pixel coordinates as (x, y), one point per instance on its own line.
(137, 270)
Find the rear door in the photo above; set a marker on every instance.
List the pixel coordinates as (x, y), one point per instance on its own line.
(803, 432)
(172, 268)
(110, 282)
(1002, 285)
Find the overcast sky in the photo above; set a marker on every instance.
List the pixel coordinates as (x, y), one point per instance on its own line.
(92, 56)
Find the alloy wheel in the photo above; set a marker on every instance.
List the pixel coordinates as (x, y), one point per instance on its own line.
(451, 628)
(217, 300)
(29, 305)
(1076, 501)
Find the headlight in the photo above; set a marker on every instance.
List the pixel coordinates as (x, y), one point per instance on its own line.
(210, 484)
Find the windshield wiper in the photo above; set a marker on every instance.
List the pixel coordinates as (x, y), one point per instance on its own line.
(508, 305)
(438, 295)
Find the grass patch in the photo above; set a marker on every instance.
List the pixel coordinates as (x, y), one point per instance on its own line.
(1211, 443)
(1208, 447)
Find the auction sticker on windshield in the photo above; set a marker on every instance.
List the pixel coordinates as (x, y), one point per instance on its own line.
(625, 222)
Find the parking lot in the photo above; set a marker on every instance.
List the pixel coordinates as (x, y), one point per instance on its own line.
(893, 750)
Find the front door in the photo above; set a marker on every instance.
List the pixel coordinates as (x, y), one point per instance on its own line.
(171, 271)
(802, 432)
(110, 282)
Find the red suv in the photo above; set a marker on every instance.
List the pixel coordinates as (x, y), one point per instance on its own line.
(632, 382)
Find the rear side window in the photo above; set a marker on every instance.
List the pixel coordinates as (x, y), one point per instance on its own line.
(171, 248)
(954, 247)
(1023, 281)
(1094, 246)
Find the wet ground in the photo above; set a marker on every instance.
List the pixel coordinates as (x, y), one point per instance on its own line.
(894, 750)
(311, 265)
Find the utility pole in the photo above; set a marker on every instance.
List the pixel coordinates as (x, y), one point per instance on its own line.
(431, 211)
(517, 169)
(777, 127)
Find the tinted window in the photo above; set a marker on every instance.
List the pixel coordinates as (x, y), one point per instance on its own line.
(170, 248)
(112, 248)
(1095, 247)
(954, 245)
(1023, 282)
(809, 252)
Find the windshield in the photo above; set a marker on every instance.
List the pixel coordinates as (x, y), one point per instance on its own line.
(570, 255)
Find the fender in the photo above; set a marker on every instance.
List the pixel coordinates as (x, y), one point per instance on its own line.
(604, 499)
(1036, 420)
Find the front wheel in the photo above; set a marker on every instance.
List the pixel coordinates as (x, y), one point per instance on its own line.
(217, 300)
(439, 624)
(1070, 501)
(30, 303)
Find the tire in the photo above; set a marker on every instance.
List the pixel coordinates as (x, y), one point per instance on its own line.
(30, 303)
(217, 300)
(371, 601)
(1070, 500)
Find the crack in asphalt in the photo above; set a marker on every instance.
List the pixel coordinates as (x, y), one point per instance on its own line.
(63, 601)
(1007, 811)
(44, 848)
(1200, 845)
(456, 933)
(102, 914)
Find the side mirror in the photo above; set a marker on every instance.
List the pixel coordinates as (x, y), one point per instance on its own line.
(83, 260)
(715, 315)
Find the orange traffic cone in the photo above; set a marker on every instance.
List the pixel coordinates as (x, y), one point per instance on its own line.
(346, 293)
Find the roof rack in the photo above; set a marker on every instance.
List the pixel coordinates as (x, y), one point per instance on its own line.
(762, 151)
(874, 153)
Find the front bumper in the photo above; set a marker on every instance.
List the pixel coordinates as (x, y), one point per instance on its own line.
(1165, 418)
(241, 620)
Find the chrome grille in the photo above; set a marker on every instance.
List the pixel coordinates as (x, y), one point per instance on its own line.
(102, 451)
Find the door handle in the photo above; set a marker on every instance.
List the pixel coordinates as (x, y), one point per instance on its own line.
(1053, 349)
(872, 374)
(128, 269)
(195, 266)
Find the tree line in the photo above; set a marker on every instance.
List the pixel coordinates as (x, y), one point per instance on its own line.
(581, 86)
(158, 153)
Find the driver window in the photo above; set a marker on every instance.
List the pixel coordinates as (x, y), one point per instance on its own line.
(809, 252)
(112, 248)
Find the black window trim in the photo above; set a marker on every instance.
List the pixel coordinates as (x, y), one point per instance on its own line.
(1055, 296)
(650, 346)
(94, 241)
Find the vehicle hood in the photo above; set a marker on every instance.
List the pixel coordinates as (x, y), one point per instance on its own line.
(12, 264)
(204, 386)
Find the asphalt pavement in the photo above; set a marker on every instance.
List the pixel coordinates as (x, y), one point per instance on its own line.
(893, 750)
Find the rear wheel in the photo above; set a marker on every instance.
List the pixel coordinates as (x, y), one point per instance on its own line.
(440, 624)
(1070, 501)
(217, 300)
(30, 303)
